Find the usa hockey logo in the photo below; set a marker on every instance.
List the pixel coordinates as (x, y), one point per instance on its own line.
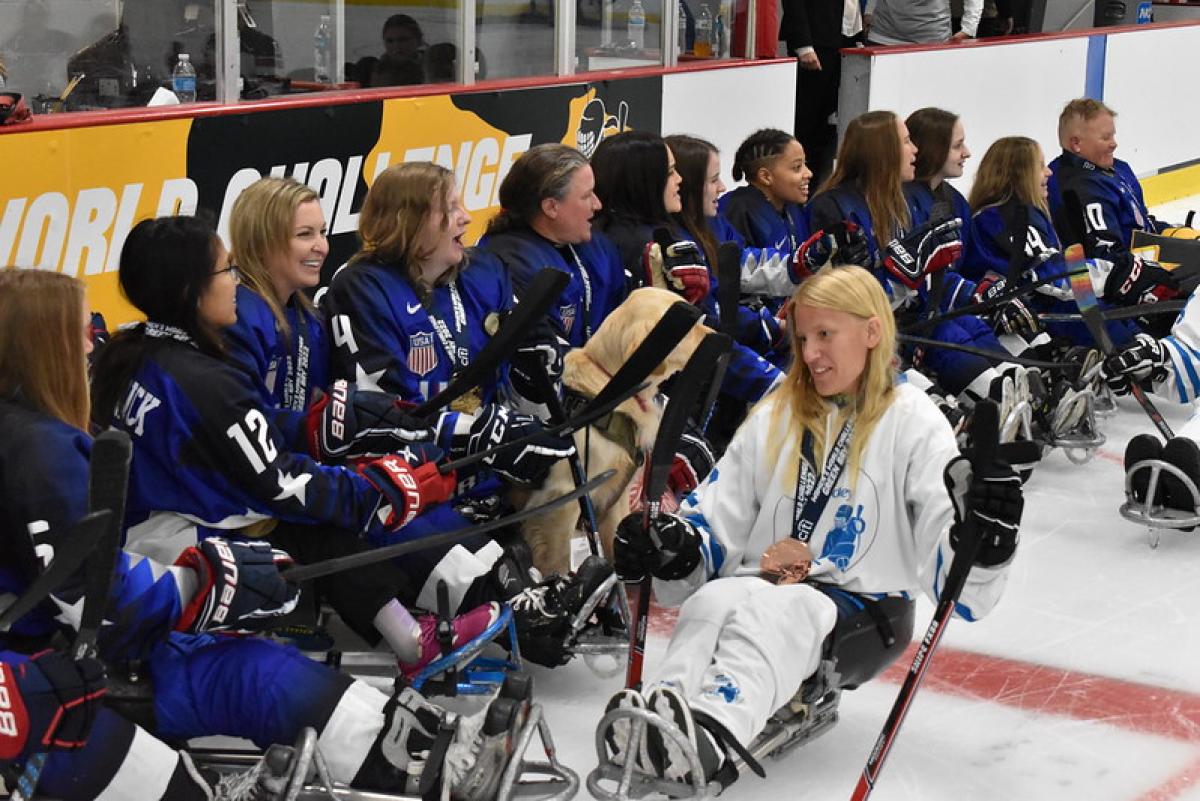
(567, 313)
(421, 354)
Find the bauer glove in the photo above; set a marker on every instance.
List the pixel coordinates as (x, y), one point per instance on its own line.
(1011, 316)
(240, 585)
(50, 702)
(351, 423)
(928, 248)
(680, 263)
(404, 490)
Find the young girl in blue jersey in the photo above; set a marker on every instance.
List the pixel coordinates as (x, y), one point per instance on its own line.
(204, 684)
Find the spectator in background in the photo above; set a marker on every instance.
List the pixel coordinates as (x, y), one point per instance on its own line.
(998, 18)
(814, 31)
(403, 59)
(890, 22)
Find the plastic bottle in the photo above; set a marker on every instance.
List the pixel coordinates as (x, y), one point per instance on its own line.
(721, 34)
(703, 47)
(322, 47)
(681, 28)
(637, 25)
(183, 79)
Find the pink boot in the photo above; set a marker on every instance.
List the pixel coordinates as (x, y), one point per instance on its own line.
(467, 627)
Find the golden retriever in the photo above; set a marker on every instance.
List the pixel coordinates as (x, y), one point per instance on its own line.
(586, 372)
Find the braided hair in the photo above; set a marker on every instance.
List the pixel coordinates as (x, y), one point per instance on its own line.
(759, 150)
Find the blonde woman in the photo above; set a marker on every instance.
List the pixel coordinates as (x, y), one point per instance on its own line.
(839, 565)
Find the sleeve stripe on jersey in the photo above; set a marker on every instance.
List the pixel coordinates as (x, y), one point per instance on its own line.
(1183, 357)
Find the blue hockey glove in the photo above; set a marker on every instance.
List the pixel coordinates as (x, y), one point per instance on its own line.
(670, 550)
(993, 501)
(525, 465)
(406, 491)
(350, 423)
(240, 586)
(47, 703)
(841, 243)
(1010, 317)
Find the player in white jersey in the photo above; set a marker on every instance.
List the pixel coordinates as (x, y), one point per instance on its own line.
(769, 586)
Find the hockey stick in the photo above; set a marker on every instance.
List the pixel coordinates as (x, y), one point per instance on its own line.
(340, 564)
(985, 426)
(545, 287)
(991, 355)
(687, 389)
(1119, 313)
(1085, 298)
(986, 305)
(68, 556)
(729, 288)
(108, 476)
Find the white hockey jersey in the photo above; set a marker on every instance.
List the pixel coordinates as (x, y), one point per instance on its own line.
(889, 535)
(1182, 382)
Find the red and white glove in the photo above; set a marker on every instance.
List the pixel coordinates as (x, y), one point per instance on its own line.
(680, 263)
(406, 491)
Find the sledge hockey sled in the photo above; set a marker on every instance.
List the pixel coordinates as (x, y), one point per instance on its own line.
(1155, 516)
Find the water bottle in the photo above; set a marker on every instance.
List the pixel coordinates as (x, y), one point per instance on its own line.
(637, 25)
(681, 28)
(721, 35)
(322, 45)
(703, 47)
(183, 79)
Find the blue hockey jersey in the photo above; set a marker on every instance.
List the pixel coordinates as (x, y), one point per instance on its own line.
(769, 240)
(286, 371)
(597, 285)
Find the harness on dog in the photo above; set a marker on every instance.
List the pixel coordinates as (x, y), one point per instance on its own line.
(617, 427)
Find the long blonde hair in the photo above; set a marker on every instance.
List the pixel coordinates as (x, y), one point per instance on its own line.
(260, 226)
(855, 291)
(1011, 168)
(395, 212)
(41, 343)
(869, 158)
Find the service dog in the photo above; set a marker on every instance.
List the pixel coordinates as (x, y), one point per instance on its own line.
(615, 442)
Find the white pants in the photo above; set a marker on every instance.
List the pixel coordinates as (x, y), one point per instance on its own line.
(743, 646)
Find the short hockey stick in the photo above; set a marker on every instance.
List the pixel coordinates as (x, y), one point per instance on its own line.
(729, 286)
(341, 564)
(991, 355)
(985, 426)
(687, 389)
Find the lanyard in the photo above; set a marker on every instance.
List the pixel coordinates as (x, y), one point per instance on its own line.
(587, 295)
(452, 341)
(812, 494)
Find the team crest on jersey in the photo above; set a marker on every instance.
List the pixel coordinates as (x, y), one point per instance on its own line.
(422, 357)
(567, 313)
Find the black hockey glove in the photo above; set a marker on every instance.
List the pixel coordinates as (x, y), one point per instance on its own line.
(1011, 317)
(525, 465)
(842, 243)
(542, 352)
(240, 585)
(350, 423)
(993, 501)
(1134, 280)
(50, 702)
(929, 247)
(694, 459)
(670, 550)
(680, 263)
(1144, 359)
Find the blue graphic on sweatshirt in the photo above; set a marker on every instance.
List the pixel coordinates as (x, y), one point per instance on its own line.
(723, 687)
(842, 539)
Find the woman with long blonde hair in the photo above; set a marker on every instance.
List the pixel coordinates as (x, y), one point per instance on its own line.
(828, 511)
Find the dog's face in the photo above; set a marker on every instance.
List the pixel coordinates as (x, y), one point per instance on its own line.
(628, 326)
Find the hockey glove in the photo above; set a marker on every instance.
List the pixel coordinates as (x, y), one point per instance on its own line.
(240, 585)
(992, 500)
(542, 352)
(404, 490)
(525, 465)
(1144, 359)
(47, 703)
(1010, 317)
(693, 461)
(842, 243)
(1135, 280)
(670, 550)
(680, 263)
(352, 423)
(928, 248)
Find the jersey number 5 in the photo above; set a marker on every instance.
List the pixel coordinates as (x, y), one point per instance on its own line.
(254, 426)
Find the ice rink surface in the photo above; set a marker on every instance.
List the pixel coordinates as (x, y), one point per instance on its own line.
(1082, 685)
